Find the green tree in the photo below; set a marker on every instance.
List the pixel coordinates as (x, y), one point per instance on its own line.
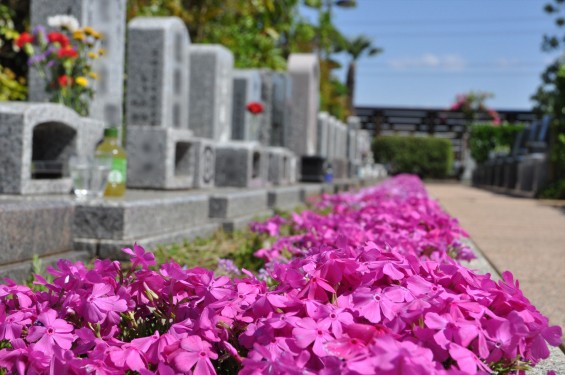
(13, 66)
(259, 33)
(356, 48)
(556, 9)
(550, 99)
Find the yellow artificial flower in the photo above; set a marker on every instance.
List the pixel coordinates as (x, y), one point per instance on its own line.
(97, 35)
(81, 81)
(101, 51)
(78, 35)
(93, 75)
(89, 30)
(92, 55)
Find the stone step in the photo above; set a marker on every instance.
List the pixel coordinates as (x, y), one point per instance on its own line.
(34, 226)
(140, 214)
(22, 270)
(242, 222)
(287, 197)
(231, 203)
(112, 249)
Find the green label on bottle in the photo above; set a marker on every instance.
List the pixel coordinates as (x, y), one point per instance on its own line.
(118, 173)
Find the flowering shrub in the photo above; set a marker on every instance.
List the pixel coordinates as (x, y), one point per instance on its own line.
(473, 103)
(64, 60)
(370, 288)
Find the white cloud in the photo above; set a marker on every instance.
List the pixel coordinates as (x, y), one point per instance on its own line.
(429, 60)
(504, 62)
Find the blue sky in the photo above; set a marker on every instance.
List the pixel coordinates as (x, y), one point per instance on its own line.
(435, 49)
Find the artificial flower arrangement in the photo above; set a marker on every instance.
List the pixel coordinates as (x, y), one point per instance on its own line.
(63, 58)
(365, 283)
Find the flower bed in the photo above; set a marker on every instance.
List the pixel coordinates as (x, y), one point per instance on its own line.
(365, 283)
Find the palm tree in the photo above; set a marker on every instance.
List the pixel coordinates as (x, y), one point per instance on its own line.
(356, 48)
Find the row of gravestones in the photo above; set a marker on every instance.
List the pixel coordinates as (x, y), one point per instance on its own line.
(185, 113)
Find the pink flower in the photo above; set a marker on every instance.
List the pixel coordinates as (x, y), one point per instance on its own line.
(101, 302)
(140, 257)
(193, 354)
(374, 304)
(11, 326)
(308, 331)
(128, 357)
(49, 332)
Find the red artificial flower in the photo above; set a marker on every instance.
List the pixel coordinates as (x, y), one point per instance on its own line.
(55, 37)
(255, 108)
(24, 39)
(67, 52)
(64, 80)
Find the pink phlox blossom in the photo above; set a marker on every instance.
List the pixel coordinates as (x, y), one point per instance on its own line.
(11, 325)
(49, 332)
(140, 257)
(100, 302)
(501, 339)
(192, 354)
(337, 318)
(262, 361)
(317, 288)
(374, 304)
(128, 357)
(307, 331)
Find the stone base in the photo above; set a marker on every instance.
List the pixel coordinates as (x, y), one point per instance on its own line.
(231, 203)
(113, 248)
(34, 226)
(285, 197)
(308, 191)
(22, 271)
(339, 168)
(138, 215)
(241, 164)
(282, 164)
(242, 222)
(164, 158)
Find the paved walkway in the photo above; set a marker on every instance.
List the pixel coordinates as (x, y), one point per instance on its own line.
(524, 236)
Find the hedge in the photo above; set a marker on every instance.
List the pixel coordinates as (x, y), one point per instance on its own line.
(485, 138)
(426, 157)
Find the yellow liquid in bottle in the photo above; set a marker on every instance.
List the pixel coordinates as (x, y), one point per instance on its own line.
(110, 148)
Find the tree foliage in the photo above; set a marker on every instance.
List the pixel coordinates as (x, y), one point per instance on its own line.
(13, 67)
(550, 99)
(356, 48)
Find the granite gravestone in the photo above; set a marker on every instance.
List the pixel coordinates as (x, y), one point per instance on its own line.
(158, 73)
(107, 17)
(163, 154)
(211, 85)
(304, 71)
(36, 143)
(266, 127)
(282, 109)
(354, 124)
(331, 151)
(322, 138)
(246, 90)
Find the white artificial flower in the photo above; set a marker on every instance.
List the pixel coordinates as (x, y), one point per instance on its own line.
(62, 21)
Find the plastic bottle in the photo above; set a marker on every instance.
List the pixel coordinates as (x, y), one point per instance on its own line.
(111, 148)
